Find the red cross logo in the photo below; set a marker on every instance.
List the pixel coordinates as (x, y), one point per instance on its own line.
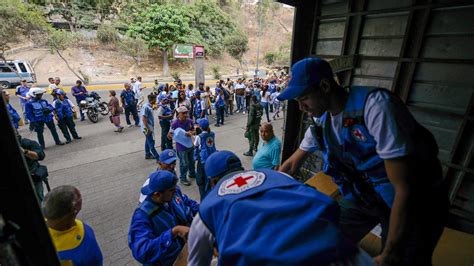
(209, 142)
(358, 134)
(240, 181)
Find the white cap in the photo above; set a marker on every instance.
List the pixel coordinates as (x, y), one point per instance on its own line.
(36, 91)
(182, 109)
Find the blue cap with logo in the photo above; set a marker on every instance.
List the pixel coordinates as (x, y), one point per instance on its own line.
(220, 162)
(167, 156)
(304, 74)
(160, 181)
(203, 123)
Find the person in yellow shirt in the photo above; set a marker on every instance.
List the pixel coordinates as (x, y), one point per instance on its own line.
(74, 240)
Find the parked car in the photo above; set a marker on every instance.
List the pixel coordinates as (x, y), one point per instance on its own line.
(8, 77)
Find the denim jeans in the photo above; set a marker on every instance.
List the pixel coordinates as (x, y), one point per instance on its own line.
(240, 103)
(265, 106)
(165, 128)
(186, 163)
(150, 145)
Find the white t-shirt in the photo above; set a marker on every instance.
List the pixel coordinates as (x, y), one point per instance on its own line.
(265, 97)
(388, 121)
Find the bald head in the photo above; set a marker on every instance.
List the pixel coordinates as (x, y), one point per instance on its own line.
(266, 132)
(61, 202)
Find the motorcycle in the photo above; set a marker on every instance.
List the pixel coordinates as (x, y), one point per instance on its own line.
(92, 106)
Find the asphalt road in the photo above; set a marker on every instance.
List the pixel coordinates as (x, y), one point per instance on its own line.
(109, 169)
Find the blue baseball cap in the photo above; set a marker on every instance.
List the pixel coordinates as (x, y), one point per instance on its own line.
(221, 162)
(160, 181)
(167, 156)
(218, 90)
(59, 92)
(304, 74)
(203, 123)
(198, 92)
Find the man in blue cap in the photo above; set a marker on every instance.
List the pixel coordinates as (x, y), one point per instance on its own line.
(160, 224)
(167, 161)
(220, 106)
(266, 217)
(64, 112)
(205, 146)
(165, 115)
(384, 162)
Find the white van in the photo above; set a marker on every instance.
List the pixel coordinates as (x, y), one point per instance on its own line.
(9, 78)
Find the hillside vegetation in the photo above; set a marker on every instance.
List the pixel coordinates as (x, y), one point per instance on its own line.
(136, 37)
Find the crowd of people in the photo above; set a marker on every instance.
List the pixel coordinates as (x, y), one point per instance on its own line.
(383, 161)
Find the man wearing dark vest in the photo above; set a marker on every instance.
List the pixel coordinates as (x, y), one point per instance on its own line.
(160, 224)
(39, 112)
(205, 146)
(384, 162)
(266, 217)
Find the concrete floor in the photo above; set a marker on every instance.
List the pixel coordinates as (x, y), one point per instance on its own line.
(109, 169)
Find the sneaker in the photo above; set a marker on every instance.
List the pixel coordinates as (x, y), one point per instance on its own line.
(243, 112)
(149, 157)
(238, 111)
(217, 125)
(249, 153)
(60, 143)
(68, 141)
(185, 182)
(129, 126)
(120, 129)
(78, 138)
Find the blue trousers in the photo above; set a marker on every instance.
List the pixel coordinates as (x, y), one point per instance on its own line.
(240, 103)
(186, 163)
(150, 145)
(201, 180)
(265, 106)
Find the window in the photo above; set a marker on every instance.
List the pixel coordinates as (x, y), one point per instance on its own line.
(22, 67)
(5, 69)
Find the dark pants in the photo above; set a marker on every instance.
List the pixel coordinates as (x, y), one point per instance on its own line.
(150, 145)
(220, 110)
(427, 213)
(265, 107)
(247, 103)
(68, 123)
(201, 179)
(39, 128)
(253, 138)
(131, 109)
(186, 163)
(230, 106)
(165, 142)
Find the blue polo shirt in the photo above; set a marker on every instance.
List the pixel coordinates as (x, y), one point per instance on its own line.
(268, 155)
(147, 111)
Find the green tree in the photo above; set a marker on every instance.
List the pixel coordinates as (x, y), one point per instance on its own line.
(211, 25)
(19, 20)
(237, 45)
(270, 57)
(135, 48)
(161, 26)
(60, 40)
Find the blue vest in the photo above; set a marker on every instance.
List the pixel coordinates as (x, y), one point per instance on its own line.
(197, 107)
(15, 118)
(162, 220)
(86, 254)
(208, 146)
(220, 101)
(63, 108)
(167, 112)
(129, 97)
(267, 218)
(367, 179)
(39, 108)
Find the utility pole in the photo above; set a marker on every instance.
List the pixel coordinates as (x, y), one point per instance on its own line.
(259, 33)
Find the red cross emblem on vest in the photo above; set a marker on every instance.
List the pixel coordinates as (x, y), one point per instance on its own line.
(240, 181)
(209, 142)
(358, 135)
